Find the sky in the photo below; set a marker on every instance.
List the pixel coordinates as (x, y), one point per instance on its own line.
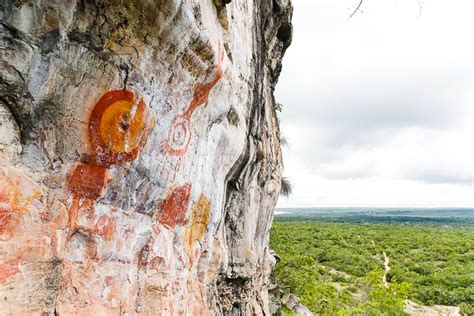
(377, 109)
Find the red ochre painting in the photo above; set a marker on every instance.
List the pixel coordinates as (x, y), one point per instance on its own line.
(20, 199)
(117, 128)
(9, 268)
(9, 222)
(179, 134)
(174, 207)
(87, 181)
(117, 131)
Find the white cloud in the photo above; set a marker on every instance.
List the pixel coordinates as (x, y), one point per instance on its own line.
(378, 109)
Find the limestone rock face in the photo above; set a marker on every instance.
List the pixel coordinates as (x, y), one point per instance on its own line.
(139, 155)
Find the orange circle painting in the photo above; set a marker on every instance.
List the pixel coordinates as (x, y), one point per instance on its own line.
(117, 127)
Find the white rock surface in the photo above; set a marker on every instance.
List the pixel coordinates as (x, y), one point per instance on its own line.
(140, 155)
(294, 304)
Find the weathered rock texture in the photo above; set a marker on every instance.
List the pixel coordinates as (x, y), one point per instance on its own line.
(140, 155)
(294, 304)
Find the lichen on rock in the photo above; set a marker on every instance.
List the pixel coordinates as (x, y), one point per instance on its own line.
(140, 155)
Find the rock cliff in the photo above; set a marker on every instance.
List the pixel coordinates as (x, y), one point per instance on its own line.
(139, 155)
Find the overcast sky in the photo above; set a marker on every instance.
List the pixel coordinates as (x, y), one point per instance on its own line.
(377, 110)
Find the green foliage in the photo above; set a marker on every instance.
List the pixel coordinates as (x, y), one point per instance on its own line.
(278, 106)
(286, 187)
(381, 299)
(337, 268)
(287, 312)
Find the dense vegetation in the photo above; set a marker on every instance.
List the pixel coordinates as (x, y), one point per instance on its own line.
(337, 268)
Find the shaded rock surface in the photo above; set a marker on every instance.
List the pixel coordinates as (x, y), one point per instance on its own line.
(140, 155)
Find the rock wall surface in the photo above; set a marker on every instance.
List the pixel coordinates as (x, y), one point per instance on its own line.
(139, 155)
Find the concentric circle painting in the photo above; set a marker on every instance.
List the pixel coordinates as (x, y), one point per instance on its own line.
(117, 127)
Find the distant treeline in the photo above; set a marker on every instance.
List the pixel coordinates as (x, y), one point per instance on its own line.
(366, 215)
(377, 219)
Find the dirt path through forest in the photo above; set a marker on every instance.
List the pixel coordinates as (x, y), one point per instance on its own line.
(386, 261)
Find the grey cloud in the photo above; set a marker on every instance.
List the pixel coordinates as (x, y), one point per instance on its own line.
(368, 102)
(441, 177)
(373, 84)
(345, 173)
(365, 110)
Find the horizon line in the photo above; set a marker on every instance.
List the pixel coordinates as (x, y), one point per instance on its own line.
(285, 207)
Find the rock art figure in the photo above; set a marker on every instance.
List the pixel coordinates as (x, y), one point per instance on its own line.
(154, 219)
(175, 206)
(117, 128)
(198, 223)
(179, 134)
(117, 131)
(20, 201)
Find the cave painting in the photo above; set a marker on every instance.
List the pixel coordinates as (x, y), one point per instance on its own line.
(118, 129)
(87, 181)
(179, 134)
(105, 227)
(9, 222)
(198, 222)
(20, 200)
(9, 268)
(174, 206)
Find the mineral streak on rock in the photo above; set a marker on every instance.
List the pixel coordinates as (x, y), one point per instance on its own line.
(106, 211)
